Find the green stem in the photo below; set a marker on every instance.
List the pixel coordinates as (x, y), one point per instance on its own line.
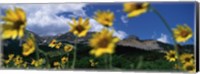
(37, 54)
(74, 54)
(105, 61)
(140, 62)
(110, 61)
(68, 61)
(46, 56)
(169, 29)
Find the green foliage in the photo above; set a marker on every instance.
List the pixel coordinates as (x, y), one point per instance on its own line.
(135, 59)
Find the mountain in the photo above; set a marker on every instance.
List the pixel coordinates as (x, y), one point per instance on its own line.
(131, 41)
(37, 37)
(69, 37)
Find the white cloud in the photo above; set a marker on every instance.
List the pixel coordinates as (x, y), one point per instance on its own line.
(120, 34)
(163, 38)
(43, 18)
(124, 19)
(95, 26)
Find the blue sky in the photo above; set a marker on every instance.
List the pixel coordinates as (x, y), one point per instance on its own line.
(149, 25)
(52, 19)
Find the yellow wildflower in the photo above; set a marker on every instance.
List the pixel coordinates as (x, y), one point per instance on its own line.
(135, 9)
(68, 48)
(57, 65)
(29, 46)
(34, 63)
(64, 60)
(185, 57)
(58, 45)
(14, 25)
(53, 43)
(92, 63)
(37, 63)
(190, 67)
(10, 57)
(171, 56)
(103, 42)
(105, 18)
(25, 64)
(7, 61)
(182, 33)
(80, 28)
(18, 60)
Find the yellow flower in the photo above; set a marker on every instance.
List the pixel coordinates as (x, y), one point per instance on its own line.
(64, 60)
(184, 58)
(56, 65)
(182, 33)
(135, 9)
(190, 67)
(34, 63)
(58, 45)
(53, 43)
(92, 63)
(105, 18)
(80, 28)
(18, 60)
(7, 61)
(103, 42)
(10, 57)
(68, 48)
(37, 63)
(14, 25)
(29, 46)
(171, 56)
(25, 64)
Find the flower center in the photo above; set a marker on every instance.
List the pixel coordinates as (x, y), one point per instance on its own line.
(107, 22)
(18, 23)
(79, 28)
(187, 59)
(189, 68)
(53, 42)
(69, 47)
(135, 7)
(64, 60)
(172, 55)
(184, 33)
(138, 6)
(103, 43)
(107, 19)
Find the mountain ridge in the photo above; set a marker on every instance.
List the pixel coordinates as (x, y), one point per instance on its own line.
(130, 41)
